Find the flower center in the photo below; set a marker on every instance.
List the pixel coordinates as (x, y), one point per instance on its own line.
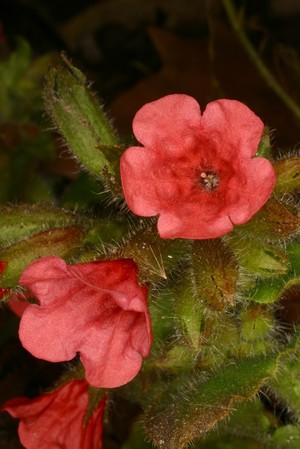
(209, 180)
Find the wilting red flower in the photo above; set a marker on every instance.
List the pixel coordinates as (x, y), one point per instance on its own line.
(97, 309)
(198, 172)
(56, 420)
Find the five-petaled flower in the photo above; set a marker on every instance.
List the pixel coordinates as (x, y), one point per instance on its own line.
(57, 419)
(197, 172)
(97, 309)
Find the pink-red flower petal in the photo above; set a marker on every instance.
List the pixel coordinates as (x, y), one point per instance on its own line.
(56, 420)
(17, 304)
(188, 227)
(97, 309)
(250, 195)
(234, 125)
(161, 124)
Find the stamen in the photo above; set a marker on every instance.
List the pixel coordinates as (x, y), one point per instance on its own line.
(209, 180)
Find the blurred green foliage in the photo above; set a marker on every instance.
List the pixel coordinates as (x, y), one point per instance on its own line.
(24, 144)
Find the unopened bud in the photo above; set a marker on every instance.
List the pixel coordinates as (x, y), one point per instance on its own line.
(80, 119)
(215, 271)
(288, 174)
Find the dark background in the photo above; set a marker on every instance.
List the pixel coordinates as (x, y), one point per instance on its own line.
(138, 50)
(135, 51)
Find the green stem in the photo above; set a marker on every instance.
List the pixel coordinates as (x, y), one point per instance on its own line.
(256, 60)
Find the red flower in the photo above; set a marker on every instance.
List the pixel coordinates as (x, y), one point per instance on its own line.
(198, 172)
(56, 420)
(97, 309)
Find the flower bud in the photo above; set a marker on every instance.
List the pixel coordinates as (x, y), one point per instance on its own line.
(215, 271)
(256, 323)
(288, 174)
(154, 256)
(222, 337)
(188, 314)
(178, 358)
(81, 120)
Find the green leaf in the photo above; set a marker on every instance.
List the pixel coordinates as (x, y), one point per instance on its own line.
(286, 437)
(293, 251)
(286, 385)
(228, 442)
(55, 242)
(137, 438)
(19, 222)
(249, 420)
(288, 174)
(272, 290)
(188, 313)
(264, 147)
(257, 325)
(260, 259)
(161, 305)
(190, 410)
(247, 427)
(178, 358)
